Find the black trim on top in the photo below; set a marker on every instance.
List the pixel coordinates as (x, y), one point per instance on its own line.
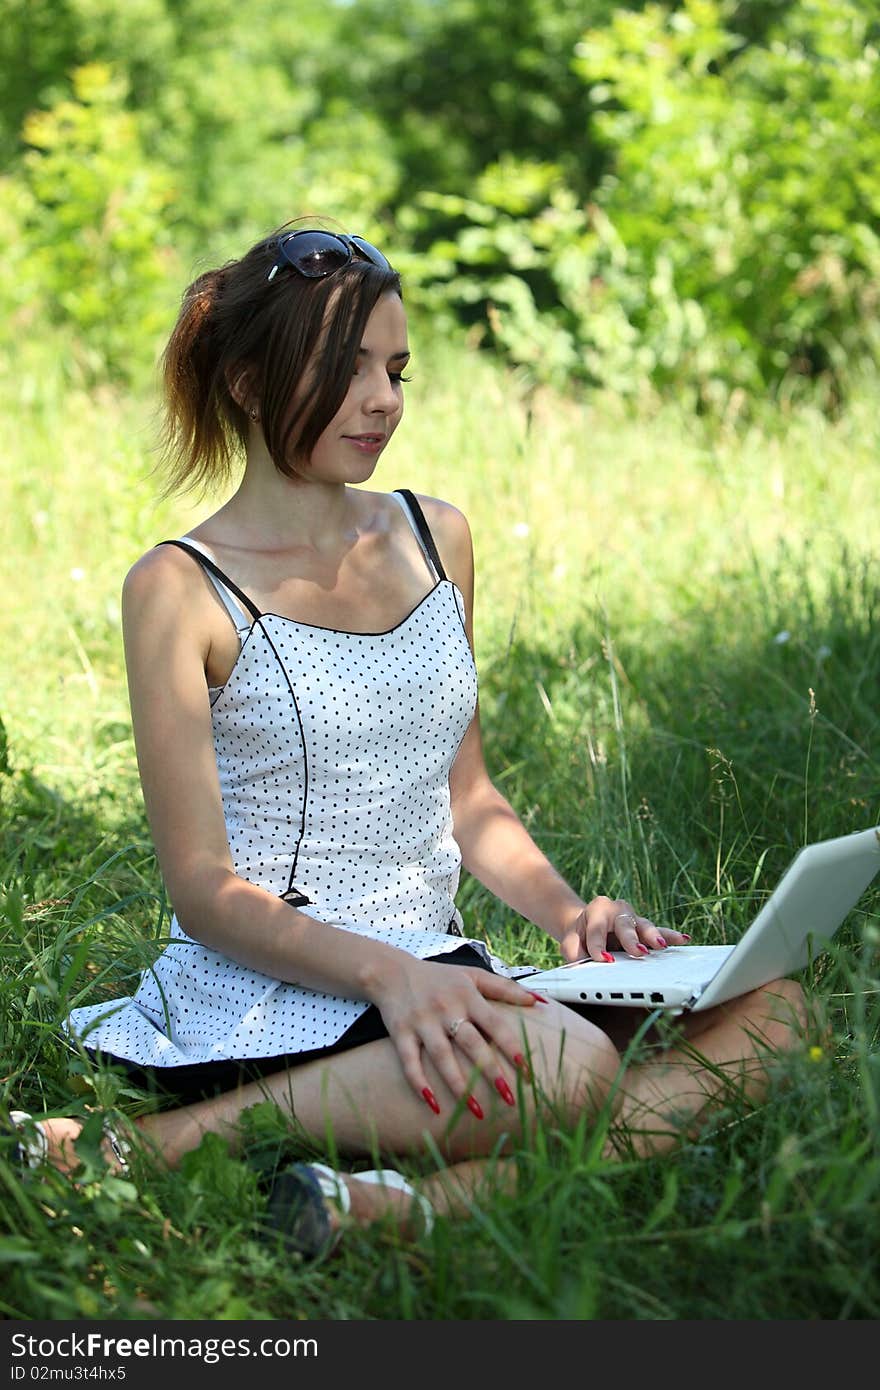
(292, 894)
(418, 517)
(295, 898)
(217, 571)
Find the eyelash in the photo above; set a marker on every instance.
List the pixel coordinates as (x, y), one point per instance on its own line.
(395, 377)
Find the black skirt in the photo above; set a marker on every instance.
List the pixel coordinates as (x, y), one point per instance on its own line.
(203, 1080)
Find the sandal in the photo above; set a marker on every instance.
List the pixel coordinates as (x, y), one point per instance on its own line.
(389, 1177)
(32, 1147)
(301, 1201)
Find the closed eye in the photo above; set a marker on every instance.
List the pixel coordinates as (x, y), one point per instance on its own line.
(394, 377)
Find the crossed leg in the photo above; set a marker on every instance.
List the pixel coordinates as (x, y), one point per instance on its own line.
(362, 1099)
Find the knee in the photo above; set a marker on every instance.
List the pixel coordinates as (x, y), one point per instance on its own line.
(781, 1007)
(790, 1007)
(580, 1067)
(788, 1001)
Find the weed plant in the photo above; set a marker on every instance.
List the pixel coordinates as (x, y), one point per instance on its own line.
(678, 633)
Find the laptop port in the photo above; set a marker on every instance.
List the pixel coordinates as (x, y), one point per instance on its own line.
(639, 995)
(612, 995)
(656, 997)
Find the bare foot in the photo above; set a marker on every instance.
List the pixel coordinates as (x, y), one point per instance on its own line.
(60, 1136)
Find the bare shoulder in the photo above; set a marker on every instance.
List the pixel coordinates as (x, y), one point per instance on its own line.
(162, 576)
(166, 603)
(452, 534)
(171, 624)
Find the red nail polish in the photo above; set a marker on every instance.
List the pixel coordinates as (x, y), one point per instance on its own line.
(540, 998)
(504, 1091)
(431, 1100)
(662, 944)
(474, 1108)
(520, 1061)
(685, 935)
(644, 949)
(606, 955)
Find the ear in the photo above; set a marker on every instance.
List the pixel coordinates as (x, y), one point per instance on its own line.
(240, 381)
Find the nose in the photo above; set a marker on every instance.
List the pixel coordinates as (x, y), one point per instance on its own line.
(381, 396)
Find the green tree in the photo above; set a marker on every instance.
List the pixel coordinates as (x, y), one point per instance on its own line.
(91, 250)
(732, 244)
(745, 187)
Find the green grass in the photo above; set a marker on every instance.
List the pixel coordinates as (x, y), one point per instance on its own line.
(661, 736)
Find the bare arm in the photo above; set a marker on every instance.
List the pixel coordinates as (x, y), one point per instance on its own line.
(495, 845)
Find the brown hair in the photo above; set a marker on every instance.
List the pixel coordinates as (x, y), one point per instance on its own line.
(236, 325)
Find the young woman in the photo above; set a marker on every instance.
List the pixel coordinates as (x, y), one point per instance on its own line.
(304, 703)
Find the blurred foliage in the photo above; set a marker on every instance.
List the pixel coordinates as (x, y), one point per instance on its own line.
(744, 188)
(731, 244)
(85, 221)
(680, 197)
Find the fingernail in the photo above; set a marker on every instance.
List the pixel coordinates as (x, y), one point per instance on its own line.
(606, 955)
(661, 943)
(644, 949)
(504, 1090)
(520, 1061)
(540, 998)
(474, 1108)
(685, 936)
(431, 1099)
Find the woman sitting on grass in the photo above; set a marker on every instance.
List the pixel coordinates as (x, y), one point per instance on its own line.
(304, 704)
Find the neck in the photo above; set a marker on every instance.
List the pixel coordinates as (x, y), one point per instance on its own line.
(270, 511)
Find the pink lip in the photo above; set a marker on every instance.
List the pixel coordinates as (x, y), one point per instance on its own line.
(367, 443)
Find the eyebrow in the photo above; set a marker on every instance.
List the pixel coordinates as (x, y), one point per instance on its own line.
(394, 357)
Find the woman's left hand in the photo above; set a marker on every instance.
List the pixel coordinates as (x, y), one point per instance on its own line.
(612, 924)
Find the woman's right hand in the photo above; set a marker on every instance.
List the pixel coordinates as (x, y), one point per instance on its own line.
(446, 1013)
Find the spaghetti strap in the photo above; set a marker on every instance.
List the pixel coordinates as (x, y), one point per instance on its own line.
(207, 563)
(420, 526)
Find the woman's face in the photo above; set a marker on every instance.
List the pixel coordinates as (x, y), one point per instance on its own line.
(350, 446)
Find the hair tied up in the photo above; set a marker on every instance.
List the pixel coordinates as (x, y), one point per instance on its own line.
(202, 296)
(193, 433)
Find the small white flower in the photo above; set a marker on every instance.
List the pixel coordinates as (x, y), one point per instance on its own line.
(782, 637)
(77, 574)
(521, 528)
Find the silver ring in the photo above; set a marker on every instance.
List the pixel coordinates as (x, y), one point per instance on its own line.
(453, 1027)
(630, 916)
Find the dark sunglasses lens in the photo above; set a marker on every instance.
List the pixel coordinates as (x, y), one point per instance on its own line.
(371, 253)
(315, 254)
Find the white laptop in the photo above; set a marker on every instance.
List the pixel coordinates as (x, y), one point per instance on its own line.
(820, 886)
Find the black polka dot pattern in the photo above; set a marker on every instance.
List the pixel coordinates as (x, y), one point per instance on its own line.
(334, 751)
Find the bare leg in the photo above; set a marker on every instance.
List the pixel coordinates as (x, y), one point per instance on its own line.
(361, 1104)
(723, 1055)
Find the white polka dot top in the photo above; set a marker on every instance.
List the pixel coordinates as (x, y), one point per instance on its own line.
(334, 751)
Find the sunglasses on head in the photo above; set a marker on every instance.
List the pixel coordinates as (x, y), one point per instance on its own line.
(315, 254)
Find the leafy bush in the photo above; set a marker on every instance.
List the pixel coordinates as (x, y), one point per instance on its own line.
(687, 200)
(745, 188)
(734, 244)
(91, 252)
